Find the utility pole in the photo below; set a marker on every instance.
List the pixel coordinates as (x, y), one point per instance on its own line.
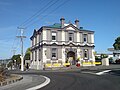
(21, 39)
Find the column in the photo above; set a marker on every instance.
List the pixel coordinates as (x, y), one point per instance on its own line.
(63, 36)
(93, 56)
(78, 53)
(63, 55)
(44, 35)
(78, 37)
(44, 51)
(92, 38)
(37, 59)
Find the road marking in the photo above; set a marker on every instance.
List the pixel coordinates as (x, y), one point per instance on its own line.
(100, 73)
(47, 81)
(89, 73)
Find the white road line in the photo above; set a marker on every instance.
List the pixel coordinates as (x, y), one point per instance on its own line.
(100, 73)
(47, 81)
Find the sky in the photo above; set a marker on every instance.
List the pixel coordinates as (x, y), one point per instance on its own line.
(101, 16)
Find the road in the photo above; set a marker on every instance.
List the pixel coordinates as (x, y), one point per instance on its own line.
(77, 80)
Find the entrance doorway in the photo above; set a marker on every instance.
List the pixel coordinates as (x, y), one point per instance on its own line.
(71, 57)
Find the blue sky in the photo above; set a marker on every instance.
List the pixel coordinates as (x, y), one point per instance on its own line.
(101, 16)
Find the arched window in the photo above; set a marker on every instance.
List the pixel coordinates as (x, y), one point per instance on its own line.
(85, 53)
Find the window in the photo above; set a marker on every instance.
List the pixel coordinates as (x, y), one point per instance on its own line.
(85, 53)
(70, 36)
(85, 37)
(54, 36)
(54, 53)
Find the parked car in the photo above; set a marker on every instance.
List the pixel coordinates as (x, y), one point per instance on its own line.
(118, 61)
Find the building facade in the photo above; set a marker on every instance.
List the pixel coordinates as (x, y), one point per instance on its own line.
(62, 43)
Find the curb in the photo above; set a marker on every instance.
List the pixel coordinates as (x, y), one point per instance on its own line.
(10, 81)
(47, 81)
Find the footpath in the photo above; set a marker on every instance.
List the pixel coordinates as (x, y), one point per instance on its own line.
(27, 82)
(83, 68)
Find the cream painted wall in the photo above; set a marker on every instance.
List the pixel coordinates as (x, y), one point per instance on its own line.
(44, 50)
(92, 38)
(63, 54)
(63, 35)
(78, 37)
(44, 36)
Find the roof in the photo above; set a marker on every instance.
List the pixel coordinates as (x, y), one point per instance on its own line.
(56, 25)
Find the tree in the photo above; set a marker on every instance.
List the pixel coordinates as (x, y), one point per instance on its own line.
(116, 45)
(104, 56)
(16, 58)
(27, 54)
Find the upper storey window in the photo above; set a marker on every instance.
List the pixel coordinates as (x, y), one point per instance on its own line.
(70, 36)
(84, 37)
(53, 36)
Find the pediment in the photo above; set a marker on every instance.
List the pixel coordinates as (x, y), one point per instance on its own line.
(71, 27)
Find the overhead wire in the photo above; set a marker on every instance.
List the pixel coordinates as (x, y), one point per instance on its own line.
(30, 17)
(50, 12)
(40, 11)
(13, 47)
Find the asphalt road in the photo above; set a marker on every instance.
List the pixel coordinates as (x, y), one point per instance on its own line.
(79, 81)
(76, 80)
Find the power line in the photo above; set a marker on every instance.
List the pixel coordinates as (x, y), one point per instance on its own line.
(41, 11)
(49, 12)
(30, 17)
(37, 13)
(14, 51)
(46, 9)
(13, 45)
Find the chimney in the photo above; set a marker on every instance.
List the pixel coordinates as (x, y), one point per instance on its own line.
(62, 22)
(77, 23)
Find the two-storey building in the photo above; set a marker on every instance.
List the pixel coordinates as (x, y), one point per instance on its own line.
(61, 43)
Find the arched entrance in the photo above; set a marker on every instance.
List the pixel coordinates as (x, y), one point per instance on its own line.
(71, 57)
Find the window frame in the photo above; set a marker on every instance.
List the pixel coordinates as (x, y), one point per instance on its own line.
(54, 34)
(54, 53)
(86, 54)
(71, 35)
(85, 38)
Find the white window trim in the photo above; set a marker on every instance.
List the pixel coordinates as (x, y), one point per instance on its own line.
(54, 34)
(87, 52)
(53, 58)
